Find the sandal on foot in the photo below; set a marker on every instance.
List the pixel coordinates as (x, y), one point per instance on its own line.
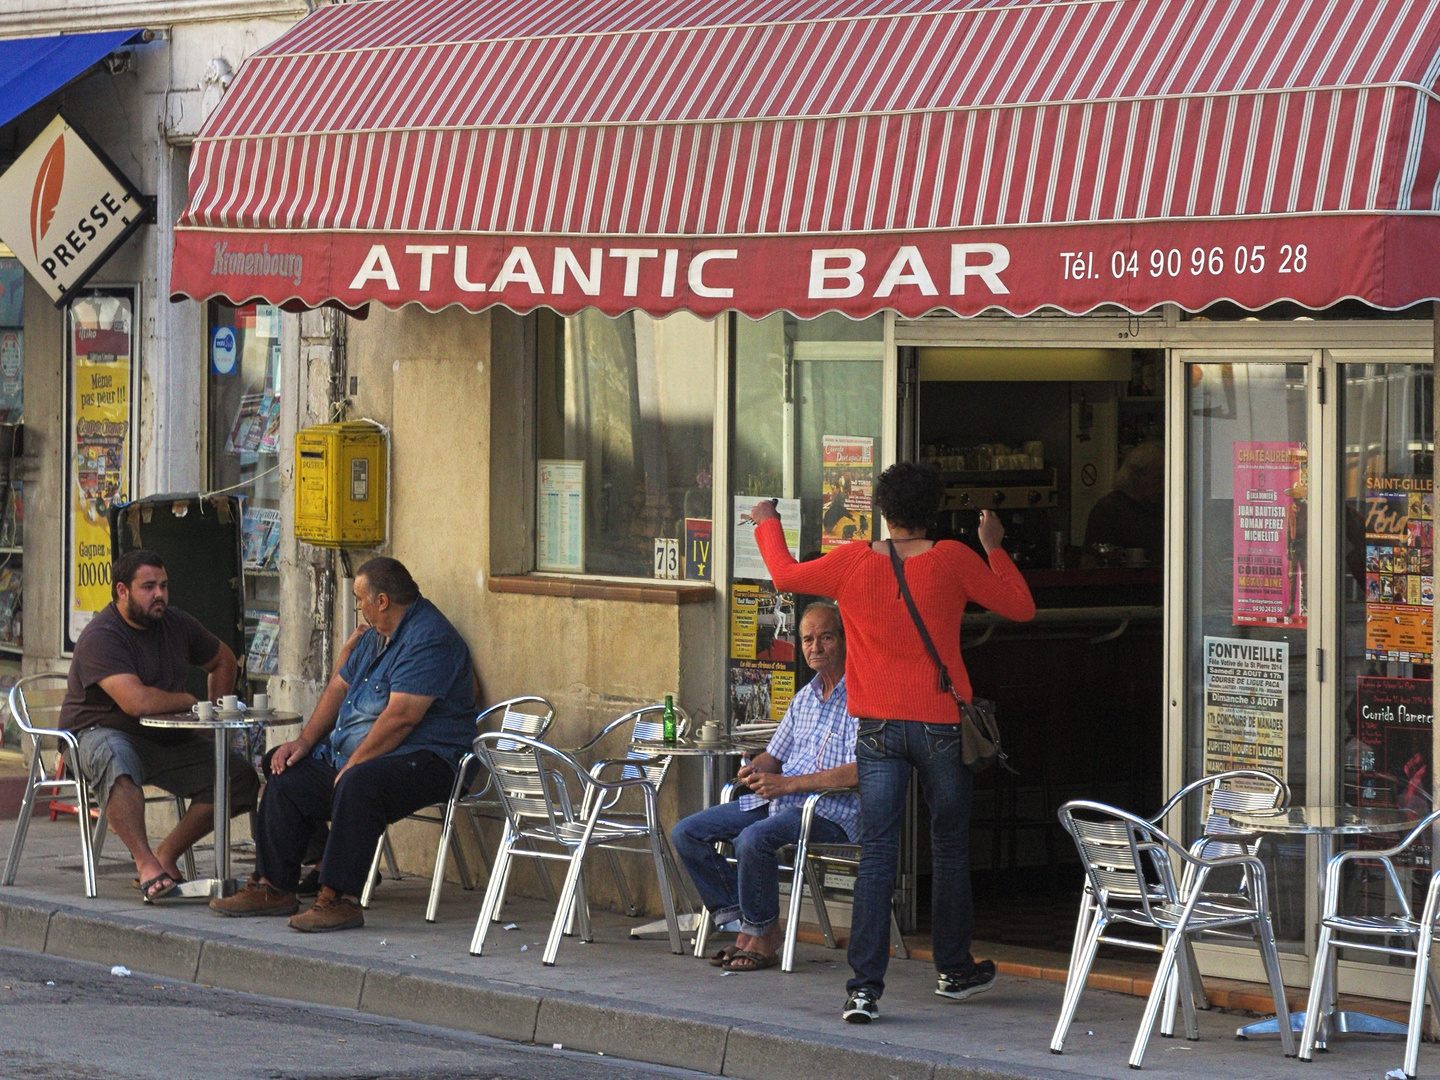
(723, 956)
(158, 887)
(177, 878)
(748, 960)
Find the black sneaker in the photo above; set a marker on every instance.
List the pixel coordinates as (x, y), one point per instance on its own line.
(960, 987)
(861, 1007)
(309, 884)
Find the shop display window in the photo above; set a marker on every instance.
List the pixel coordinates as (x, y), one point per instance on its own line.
(1247, 587)
(1386, 599)
(243, 362)
(625, 411)
(807, 402)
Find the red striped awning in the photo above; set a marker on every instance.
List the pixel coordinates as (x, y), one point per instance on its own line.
(826, 155)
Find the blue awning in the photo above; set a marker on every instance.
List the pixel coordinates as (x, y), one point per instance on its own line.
(31, 69)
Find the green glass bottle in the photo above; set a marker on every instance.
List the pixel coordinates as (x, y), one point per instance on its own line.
(668, 719)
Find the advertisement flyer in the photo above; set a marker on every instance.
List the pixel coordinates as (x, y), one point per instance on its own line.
(847, 472)
(560, 516)
(749, 566)
(1394, 752)
(1269, 585)
(762, 624)
(12, 371)
(100, 329)
(1399, 567)
(698, 533)
(1246, 705)
(760, 692)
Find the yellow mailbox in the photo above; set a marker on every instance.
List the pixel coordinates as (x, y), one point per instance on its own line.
(340, 485)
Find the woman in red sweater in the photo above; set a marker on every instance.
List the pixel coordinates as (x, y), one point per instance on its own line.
(906, 720)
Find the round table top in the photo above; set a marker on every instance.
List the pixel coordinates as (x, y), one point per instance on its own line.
(248, 719)
(1349, 820)
(726, 747)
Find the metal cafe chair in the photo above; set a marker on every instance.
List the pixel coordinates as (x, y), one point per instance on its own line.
(41, 695)
(536, 785)
(806, 868)
(1130, 866)
(1223, 794)
(1376, 934)
(525, 715)
(646, 726)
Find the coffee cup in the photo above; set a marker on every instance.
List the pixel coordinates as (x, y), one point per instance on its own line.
(710, 732)
(204, 710)
(229, 703)
(261, 703)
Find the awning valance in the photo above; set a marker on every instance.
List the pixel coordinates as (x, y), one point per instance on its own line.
(810, 156)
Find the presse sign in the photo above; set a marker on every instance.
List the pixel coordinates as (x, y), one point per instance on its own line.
(64, 208)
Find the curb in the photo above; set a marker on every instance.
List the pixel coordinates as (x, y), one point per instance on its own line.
(584, 1022)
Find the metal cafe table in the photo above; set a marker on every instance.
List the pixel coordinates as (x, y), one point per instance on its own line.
(1329, 823)
(710, 753)
(220, 725)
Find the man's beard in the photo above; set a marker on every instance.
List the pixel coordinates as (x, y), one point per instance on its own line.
(137, 614)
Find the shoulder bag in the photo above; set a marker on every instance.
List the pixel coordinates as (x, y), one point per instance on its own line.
(979, 734)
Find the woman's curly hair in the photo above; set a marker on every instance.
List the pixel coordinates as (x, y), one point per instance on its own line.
(909, 494)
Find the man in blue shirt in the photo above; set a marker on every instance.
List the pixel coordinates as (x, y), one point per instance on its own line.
(384, 741)
(812, 750)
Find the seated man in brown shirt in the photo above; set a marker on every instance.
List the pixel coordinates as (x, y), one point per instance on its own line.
(132, 661)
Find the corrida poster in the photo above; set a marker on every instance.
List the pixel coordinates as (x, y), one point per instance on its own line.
(1399, 567)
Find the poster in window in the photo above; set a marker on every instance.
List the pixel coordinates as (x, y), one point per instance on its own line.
(12, 376)
(100, 342)
(1246, 705)
(1269, 534)
(847, 472)
(560, 516)
(1399, 567)
(1393, 757)
(763, 652)
(749, 566)
(12, 293)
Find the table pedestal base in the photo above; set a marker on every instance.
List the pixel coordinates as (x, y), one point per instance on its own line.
(1341, 1023)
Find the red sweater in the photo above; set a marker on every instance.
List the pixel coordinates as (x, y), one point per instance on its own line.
(888, 672)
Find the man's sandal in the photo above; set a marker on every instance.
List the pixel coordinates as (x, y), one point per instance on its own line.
(747, 960)
(723, 956)
(158, 887)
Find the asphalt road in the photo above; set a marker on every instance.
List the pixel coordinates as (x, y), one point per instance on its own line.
(63, 1020)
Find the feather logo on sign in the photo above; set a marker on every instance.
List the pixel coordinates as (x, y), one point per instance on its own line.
(48, 183)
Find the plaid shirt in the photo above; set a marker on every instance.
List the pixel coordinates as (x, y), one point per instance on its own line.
(815, 736)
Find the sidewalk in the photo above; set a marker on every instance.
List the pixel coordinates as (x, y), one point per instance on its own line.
(624, 997)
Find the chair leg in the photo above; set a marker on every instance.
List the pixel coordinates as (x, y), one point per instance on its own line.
(1082, 924)
(622, 887)
(792, 916)
(494, 893)
(1434, 984)
(1181, 984)
(442, 850)
(1197, 984)
(88, 855)
(369, 890)
(667, 895)
(564, 907)
(1156, 998)
(1315, 1002)
(580, 912)
(22, 823)
(390, 862)
(480, 844)
(187, 858)
(1265, 935)
(98, 834)
(1075, 984)
(702, 931)
(1418, 995)
(817, 897)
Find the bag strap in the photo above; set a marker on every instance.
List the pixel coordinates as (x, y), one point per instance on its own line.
(897, 565)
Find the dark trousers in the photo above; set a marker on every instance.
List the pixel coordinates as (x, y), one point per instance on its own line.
(369, 796)
(885, 752)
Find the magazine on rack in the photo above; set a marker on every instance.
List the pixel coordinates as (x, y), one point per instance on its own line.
(261, 529)
(263, 657)
(256, 420)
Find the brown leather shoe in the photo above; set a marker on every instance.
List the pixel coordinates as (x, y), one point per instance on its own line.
(331, 912)
(256, 898)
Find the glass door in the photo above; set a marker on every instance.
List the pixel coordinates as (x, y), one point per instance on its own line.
(1250, 663)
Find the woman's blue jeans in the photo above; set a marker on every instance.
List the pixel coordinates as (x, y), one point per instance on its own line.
(885, 752)
(753, 894)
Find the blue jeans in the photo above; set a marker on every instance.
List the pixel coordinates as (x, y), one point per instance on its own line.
(752, 894)
(885, 752)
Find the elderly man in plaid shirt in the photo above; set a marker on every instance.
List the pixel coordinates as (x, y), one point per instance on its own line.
(813, 749)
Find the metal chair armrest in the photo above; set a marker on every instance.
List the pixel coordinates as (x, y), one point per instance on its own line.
(598, 769)
(1413, 835)
(606, 730)
(731, 790)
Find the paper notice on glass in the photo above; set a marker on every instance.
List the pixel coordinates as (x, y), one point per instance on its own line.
(847, 471)
(1399, 568)
(1269, 534)
(560, 516)
(1246, 705)
(749, 566)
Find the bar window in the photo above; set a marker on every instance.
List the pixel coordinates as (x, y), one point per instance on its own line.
(625, 412)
